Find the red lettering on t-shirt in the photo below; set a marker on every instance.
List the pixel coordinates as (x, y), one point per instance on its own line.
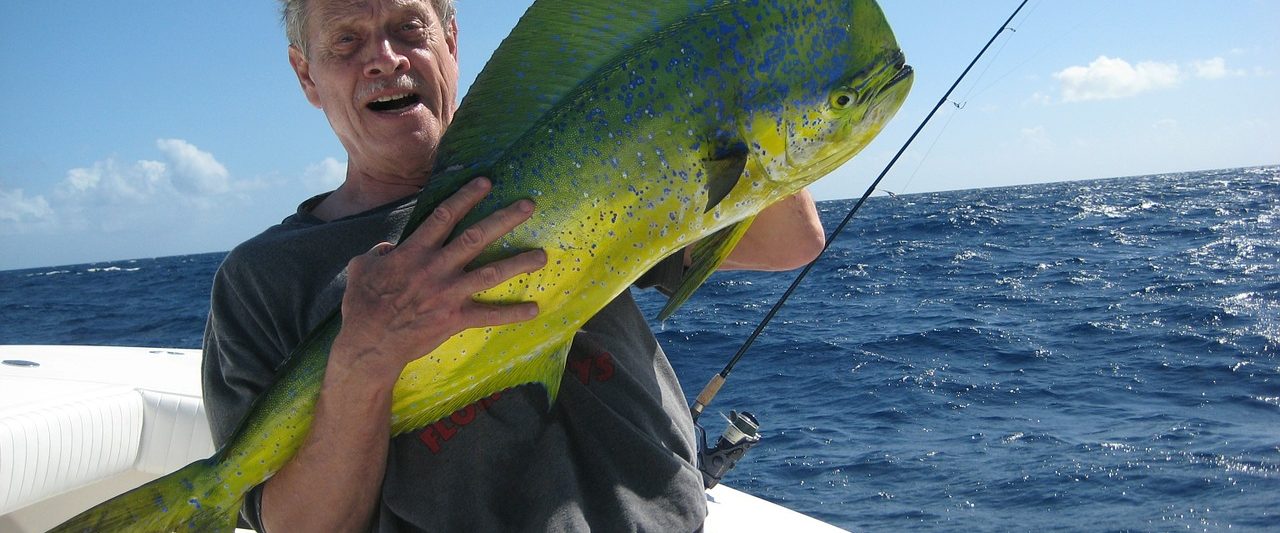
(581, 369)
(464, 416)
(428, 437)
(604, 366)
(437, 433)
(592, 368)
(598, 368)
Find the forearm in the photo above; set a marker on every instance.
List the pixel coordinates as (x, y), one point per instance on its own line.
(333, 482)
(786, 235)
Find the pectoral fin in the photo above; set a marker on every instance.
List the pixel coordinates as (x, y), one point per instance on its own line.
(724, 169)
(551, 372)
(708, 254)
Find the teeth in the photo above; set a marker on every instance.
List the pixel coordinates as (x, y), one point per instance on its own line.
(385, 99)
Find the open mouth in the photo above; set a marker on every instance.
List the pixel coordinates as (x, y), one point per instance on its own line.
(394, 102)
(898, 61)
(904, 72)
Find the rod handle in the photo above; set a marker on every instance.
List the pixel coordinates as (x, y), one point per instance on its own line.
(708, 393)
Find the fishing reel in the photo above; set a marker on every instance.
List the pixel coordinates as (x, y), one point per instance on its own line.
(742, 433)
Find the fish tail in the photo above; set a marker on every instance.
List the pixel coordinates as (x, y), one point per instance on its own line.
(193, 498)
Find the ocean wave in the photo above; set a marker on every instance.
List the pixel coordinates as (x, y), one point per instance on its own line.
(49, 273)
(95, 270)
(990, 360)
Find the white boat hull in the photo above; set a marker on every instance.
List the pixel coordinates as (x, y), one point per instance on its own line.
(80, 424)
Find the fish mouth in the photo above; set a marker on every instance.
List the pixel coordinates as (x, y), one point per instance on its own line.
(897, 61)
(893, 81)
(905, 72)
(883, 76)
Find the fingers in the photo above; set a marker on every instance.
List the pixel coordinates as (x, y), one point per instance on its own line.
(423, 286)
(429, 239)
(497, 272)
(464, 249)
(480, 315)
(437, 227)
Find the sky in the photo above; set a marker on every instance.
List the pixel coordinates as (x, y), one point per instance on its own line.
(135, 129)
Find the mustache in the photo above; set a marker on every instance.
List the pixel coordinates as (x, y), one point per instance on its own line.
(404, 82)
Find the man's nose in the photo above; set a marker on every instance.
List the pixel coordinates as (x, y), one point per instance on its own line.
(386, 60)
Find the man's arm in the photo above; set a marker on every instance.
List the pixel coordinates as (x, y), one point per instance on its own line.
(786, 235)
(400, 302)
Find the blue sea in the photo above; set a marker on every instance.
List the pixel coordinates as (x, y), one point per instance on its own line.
(1093, 355)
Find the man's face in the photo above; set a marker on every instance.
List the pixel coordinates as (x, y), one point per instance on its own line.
(385, 72)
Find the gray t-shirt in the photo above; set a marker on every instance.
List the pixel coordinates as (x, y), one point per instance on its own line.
(615, 452)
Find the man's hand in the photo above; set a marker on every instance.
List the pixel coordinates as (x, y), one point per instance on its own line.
(403, 301)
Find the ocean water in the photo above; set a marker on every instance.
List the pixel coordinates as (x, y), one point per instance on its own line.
(1097, 355)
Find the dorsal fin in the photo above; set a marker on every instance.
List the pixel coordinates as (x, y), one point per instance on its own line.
(556, 46)
(553, 49)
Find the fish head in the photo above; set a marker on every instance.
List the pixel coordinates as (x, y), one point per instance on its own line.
(823, 134)
(859, 80)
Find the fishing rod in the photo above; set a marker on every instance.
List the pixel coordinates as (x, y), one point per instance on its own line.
(744, 423)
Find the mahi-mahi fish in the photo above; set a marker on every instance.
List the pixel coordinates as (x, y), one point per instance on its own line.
(639, 127)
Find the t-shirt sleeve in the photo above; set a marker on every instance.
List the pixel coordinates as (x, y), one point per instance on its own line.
(240, 361)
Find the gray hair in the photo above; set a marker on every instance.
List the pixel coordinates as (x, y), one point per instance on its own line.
(294, 16)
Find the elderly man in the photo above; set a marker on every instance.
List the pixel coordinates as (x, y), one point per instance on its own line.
(616, 449)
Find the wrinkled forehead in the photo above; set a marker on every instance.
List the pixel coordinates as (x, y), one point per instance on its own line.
(323, 13)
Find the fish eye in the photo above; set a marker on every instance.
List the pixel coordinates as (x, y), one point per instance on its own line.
(841, 100)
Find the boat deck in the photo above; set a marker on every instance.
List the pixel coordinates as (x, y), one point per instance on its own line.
(79, 424)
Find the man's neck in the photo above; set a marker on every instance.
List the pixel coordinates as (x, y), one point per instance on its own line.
(362, 192)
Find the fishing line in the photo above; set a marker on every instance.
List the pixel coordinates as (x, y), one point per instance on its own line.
(907, 184)
(970, 95)
(1000, 50)
(709, 391)
(1049, 43)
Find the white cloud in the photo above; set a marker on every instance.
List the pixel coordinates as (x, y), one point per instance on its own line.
(1032, 132)
(16, 208)
(194, 170)
(1210, 69)
(1215, 68)
(111, 195)
(188, 174)
(1111, 78)
(1035, 138)
(108, 181)
(325, 175)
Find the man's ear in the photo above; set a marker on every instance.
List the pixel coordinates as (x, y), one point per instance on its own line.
(452, 38)
(303, 69)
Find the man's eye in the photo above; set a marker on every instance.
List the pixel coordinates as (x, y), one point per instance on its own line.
(414, 28)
